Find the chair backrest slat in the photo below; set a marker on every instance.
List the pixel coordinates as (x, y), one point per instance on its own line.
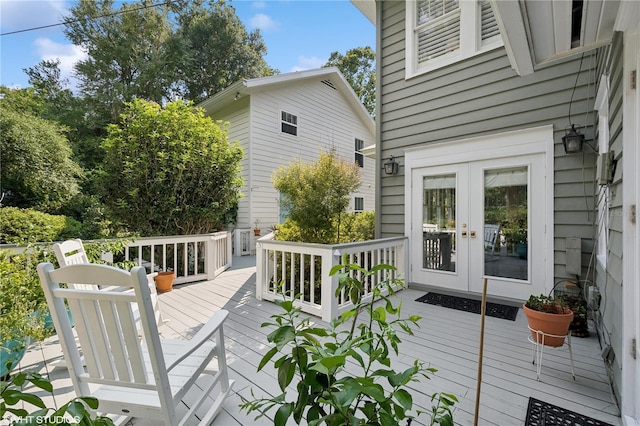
(71, 252)
(106, 324)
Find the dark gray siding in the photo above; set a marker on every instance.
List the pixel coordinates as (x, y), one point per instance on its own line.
(479, 96)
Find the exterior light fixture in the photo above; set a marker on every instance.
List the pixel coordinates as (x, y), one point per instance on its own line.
(572, 141)
(390, 166)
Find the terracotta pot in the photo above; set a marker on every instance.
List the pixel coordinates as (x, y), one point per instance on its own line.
(164, 281)
(256, 232)
(556, 324)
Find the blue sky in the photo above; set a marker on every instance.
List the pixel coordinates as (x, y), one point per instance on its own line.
(299, 34)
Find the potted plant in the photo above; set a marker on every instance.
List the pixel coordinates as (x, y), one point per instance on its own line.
(549, 315)
(164, 281)
(256, 229)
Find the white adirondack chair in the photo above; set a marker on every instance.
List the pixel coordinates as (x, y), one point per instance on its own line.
(491, 235)
(72, 252)
(137, 376)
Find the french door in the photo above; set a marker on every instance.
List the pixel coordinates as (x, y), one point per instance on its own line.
(480, 219)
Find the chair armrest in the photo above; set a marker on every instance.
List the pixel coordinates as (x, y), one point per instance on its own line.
(207, 330)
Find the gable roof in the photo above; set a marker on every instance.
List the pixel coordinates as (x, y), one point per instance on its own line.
(330, 76)
(367, 8)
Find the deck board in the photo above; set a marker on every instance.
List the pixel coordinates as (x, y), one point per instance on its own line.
(447, 340)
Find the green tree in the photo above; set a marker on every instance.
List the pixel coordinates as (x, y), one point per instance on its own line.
(169, 170)
(316, 194)
(128, 53)
(36, 169)
(160, 52)
(217, 50)
(58, 103)
(358, 65)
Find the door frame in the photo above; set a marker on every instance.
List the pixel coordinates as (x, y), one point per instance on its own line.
(536, 140)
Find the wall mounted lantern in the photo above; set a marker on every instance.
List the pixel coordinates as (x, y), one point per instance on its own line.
(390, 166)
(572, 141)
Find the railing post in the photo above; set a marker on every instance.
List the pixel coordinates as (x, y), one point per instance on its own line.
(403, 266)
(260, 270)
(229, 258)
(329, 285)
(211, 258)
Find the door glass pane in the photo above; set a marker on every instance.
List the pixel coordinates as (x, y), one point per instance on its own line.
(506, 223)
(439, 223)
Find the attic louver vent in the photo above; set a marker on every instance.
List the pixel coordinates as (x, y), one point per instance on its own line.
(329, 83)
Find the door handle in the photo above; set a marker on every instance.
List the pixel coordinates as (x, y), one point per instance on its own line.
(463, 234)
(473, 234)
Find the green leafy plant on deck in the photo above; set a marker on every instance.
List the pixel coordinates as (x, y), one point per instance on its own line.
(363, 338)
(547, 304)
(13, 399)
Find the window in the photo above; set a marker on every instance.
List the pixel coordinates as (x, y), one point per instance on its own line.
(358, 204)
(289, 123)
(284, 205)
(441, 32)
(359, 157)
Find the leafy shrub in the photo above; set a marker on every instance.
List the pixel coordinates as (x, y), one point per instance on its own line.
(316, 194)
(13, 399)
(356, 227)
(362, 338)
(20, 296)
(88, 210)
(22, 226)
(169, 170)
(36, 169)
(348, 228)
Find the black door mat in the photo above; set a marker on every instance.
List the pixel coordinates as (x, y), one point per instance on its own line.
(470, 305)
(540, 413)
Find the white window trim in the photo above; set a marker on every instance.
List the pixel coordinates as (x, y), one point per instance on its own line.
(470, 43)
(359, 151)
(354, 204)
(280, 121)
(602, 197)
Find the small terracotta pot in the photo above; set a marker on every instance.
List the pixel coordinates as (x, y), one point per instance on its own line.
(556, 324)
(256, 232)
(164, 281)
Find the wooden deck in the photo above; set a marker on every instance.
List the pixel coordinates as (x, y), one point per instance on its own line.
(447, 340)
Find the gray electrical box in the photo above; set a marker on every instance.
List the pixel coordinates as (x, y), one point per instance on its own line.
(603, 168)
(574, 255)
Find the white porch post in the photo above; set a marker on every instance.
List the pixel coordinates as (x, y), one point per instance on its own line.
(329, 285)
(211, 256)
(630, 406)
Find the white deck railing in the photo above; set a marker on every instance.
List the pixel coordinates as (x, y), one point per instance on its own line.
(192, 257)
(303, 269)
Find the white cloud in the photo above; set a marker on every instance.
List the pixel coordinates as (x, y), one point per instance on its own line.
(264, 22)
(68, 54)
(305, 63)
(19, 15)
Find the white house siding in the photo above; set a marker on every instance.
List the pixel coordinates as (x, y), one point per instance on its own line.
(609, 281)
(237, 117)
(325, 121)
(481, 96)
